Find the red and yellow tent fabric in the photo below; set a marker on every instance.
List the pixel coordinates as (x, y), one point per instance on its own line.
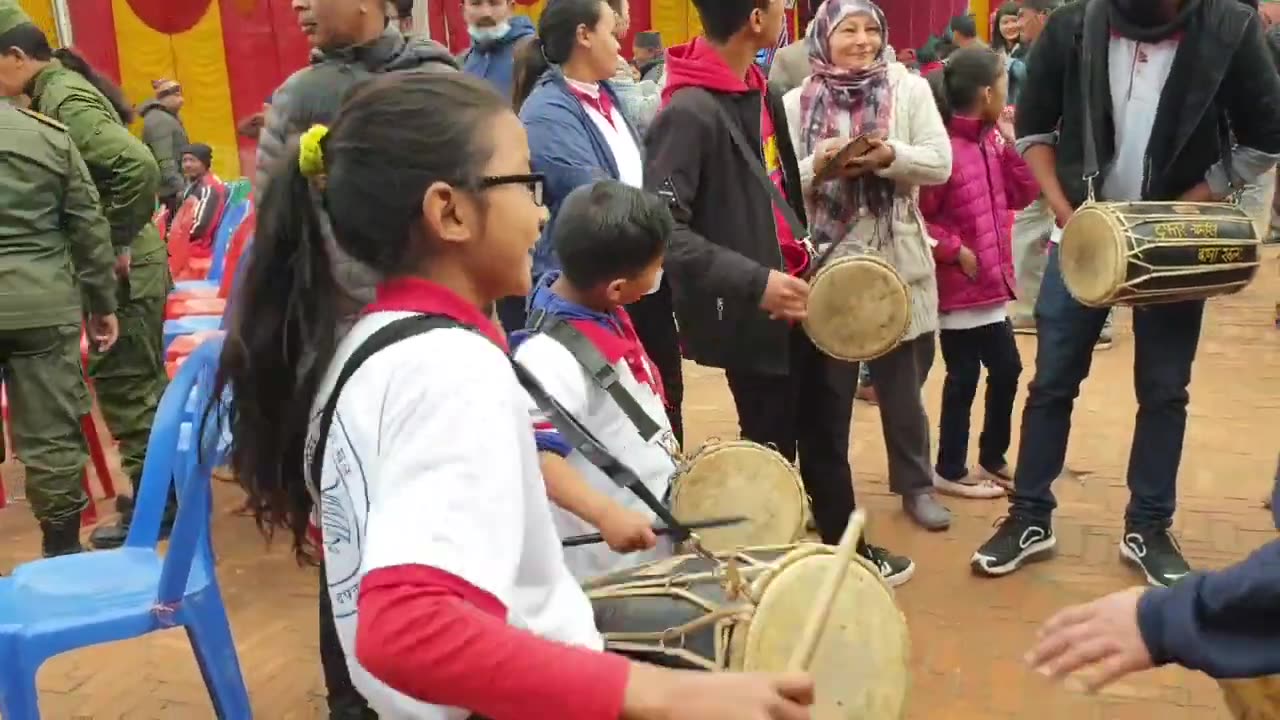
(229, 55)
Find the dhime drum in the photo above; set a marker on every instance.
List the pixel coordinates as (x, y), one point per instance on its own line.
(1138, 253)
(859, 308)
(741, 478)
(1254, 698)
(747, 611)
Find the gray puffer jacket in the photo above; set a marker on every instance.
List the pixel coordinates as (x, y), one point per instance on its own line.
(165, 135)
(313, 95)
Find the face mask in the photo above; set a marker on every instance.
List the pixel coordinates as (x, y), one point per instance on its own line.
(657, 282)
(492, 33)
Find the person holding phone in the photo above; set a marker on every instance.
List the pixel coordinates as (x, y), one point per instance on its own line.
(869, 134)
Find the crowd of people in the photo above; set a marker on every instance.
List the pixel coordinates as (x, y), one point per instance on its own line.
(564, 224)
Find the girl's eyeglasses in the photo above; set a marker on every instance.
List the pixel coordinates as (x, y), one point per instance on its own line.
(532, 182)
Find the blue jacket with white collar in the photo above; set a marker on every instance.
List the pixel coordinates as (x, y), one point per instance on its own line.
(567, 148)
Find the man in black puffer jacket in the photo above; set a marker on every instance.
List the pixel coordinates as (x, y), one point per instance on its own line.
(350, 45)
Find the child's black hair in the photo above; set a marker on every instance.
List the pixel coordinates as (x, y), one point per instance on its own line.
(33, 43)
(609, 230)
(553, 45)
(722, 19)
(968, 70)
(380, 156)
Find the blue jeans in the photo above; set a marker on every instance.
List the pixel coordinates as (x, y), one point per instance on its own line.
(1165, 340)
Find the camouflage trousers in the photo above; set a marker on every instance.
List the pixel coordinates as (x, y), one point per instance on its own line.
(47, 398)
(129, 379)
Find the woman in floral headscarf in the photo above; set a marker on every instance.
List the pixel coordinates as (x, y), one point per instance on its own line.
(870, 204)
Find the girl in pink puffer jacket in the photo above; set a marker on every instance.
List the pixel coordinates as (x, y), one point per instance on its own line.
(968, 217)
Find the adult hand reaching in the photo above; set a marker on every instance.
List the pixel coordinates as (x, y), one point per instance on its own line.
(1102, 635)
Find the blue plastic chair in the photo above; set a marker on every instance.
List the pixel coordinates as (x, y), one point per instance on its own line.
(227, 226)
(178, 327)
(49, 607)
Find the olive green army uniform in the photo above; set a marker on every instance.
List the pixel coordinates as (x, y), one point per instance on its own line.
(55, 254)
(130, 377)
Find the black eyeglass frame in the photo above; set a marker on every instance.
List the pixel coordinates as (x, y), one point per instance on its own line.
(535, 182)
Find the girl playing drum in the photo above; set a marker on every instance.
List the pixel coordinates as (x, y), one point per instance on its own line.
(448, 584)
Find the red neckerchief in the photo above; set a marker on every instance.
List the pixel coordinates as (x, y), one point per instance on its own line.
(622, 345)
(408, 294)
(600, 103)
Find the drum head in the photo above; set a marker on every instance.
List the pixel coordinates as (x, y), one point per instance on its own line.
(861, 668)
(741, 478)
(1253, 699)
(859, 309)
(1092, 255)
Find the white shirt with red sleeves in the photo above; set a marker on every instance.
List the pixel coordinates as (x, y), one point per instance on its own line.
(565, 379)
(430, 461)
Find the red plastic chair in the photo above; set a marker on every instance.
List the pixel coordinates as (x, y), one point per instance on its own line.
(97, 454)
(195, 303)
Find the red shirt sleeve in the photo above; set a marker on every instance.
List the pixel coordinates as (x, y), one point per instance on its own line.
(435, 637)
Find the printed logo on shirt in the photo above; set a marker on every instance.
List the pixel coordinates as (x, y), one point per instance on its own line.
(342, 519)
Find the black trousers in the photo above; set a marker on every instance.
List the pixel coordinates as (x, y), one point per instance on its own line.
(654, 318)
(806, 413)
(965, 353)
(345, 702)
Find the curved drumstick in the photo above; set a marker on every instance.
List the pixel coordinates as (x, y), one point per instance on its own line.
(802, 656)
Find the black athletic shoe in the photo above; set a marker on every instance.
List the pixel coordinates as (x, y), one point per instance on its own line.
(895, 569)
(1155, 553)
(1016, 541)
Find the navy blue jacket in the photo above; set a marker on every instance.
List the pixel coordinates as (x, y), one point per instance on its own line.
(1225, 624)
(493, 60)
(567, 148)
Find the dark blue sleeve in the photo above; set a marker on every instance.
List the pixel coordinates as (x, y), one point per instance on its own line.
(1225, 624)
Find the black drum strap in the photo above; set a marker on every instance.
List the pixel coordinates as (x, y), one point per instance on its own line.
(594, 451)
(384, 337)
(602, 374)
(578, 436)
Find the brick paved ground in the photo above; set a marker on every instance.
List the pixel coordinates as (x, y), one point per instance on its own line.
(968, 633)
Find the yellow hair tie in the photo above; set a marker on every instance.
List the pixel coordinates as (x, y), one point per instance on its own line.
(310, 152)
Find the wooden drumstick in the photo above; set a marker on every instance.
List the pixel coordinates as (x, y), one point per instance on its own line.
(802, 656)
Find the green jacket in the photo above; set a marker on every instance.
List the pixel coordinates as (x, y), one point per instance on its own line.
(122, 168)
(54, 242)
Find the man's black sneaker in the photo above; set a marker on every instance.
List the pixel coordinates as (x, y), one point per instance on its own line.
(1155, 553)
(895, 569)
(1016, 541)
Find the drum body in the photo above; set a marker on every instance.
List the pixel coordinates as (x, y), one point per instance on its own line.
(859, 308)
(1140, 253)
(725, 479)
(690, 612)
(1253, 699)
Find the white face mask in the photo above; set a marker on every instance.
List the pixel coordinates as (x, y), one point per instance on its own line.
(657, 282)
(491, 33)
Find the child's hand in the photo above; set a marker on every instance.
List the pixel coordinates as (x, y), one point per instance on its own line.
(968, 263)
(627, 531)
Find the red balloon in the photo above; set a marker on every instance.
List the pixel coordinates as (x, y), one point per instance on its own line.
(170, 16)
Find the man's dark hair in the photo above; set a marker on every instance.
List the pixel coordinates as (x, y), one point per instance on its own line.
(722, 19)
(609, 230)
(964, 25)
(404, 8)
(1042, 6)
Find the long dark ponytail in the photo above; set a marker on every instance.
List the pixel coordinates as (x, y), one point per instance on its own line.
(557, 37)
(380, 156)
(967, 72)
(33, 43)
